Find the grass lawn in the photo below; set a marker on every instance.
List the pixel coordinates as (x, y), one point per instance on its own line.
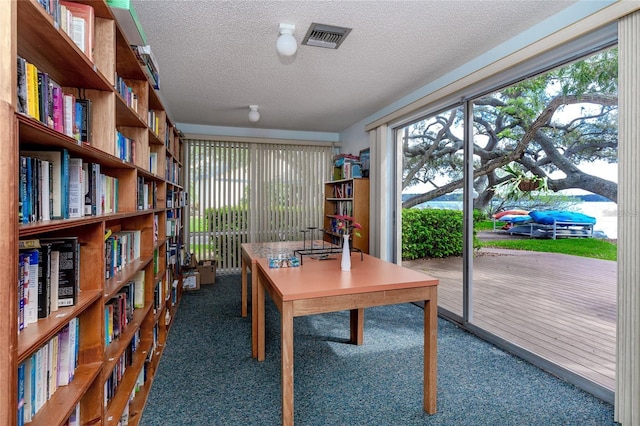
(585, 247)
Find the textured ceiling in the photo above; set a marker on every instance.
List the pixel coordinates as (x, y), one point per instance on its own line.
(218, 57)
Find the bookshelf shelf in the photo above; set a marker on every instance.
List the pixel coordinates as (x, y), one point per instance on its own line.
(37, 334)
(98, 197)
(67, 396)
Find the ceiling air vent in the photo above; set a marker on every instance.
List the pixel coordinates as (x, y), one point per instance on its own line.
(327, 36)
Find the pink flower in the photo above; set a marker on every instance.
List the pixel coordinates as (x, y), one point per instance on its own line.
(346, 225)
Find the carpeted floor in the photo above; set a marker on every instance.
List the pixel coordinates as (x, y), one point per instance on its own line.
(207, 376)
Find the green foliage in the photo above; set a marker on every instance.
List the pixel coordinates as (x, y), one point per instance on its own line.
(227, 218)
(479, 215)
(431, 233)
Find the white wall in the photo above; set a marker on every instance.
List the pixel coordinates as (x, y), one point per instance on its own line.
(355, 138)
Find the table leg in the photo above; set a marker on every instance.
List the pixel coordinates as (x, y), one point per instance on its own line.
(286, 347)
(356, 323)
(430, 352)
(243, 291)
(254, 306)
(260, 350)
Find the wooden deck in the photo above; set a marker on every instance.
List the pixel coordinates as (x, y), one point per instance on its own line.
(561, 308)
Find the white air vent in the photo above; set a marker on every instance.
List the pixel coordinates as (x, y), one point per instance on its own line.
(327, 36)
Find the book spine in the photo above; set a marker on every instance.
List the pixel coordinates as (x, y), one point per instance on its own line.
(44, 281)
(21, 384)
(58, 108)
(21, 266)
(22, 86)
(64, 173)
(69, 113)
(76, 188)
(31, 288)
(22, 202)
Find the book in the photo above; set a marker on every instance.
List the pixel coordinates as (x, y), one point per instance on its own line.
(76, 188)
(54, 279)
(32, 91)
(23, 214)
(139, 293)
(21, 385)
(57, 96)
(44, 101)
(22, 105)
(83, 119)
(69, 111)
(45, 190)
(91, 176)
(65, 353)
(68, 268)
(29, 389)
(82, 26)
(77, 121)
(21, 324)
(31, 260)
(44, 281)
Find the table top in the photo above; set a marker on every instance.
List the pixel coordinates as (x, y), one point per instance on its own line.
(324, 278)
(272, 248)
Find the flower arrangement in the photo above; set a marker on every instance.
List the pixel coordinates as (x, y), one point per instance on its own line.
(346, 225)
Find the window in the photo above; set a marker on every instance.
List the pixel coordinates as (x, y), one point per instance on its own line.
(251, 192)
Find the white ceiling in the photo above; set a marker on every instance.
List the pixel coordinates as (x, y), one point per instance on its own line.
(218, 57)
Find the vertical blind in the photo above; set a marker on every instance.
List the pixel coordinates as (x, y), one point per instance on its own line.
(251, 192)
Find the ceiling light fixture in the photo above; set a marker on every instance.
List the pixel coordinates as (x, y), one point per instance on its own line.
(286, 44)
(254, 115)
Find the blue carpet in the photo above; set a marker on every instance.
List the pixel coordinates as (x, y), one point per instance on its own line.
(207, 376)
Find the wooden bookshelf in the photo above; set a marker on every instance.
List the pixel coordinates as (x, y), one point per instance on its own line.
(30, 32)
(347, 197)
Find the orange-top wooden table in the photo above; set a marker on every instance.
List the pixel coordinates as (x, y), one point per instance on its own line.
(251, 252)
(319, 286)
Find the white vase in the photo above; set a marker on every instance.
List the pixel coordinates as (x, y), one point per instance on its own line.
(345, 264)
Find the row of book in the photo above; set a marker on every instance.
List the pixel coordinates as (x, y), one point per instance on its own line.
(117, 374)
(75, 19)
(125, 148)
(119, 309)
(344, 208)
(147, 194)
(120, 248)
(130, 97)
(48, 277)
(124, 418)
(53, 185)
(50, 367)
(40, 97)
(153, 162)
(153, 121)
(343, 190)
(173, 172)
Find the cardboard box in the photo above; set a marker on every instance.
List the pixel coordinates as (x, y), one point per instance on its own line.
(207, 270)
(191, 281)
